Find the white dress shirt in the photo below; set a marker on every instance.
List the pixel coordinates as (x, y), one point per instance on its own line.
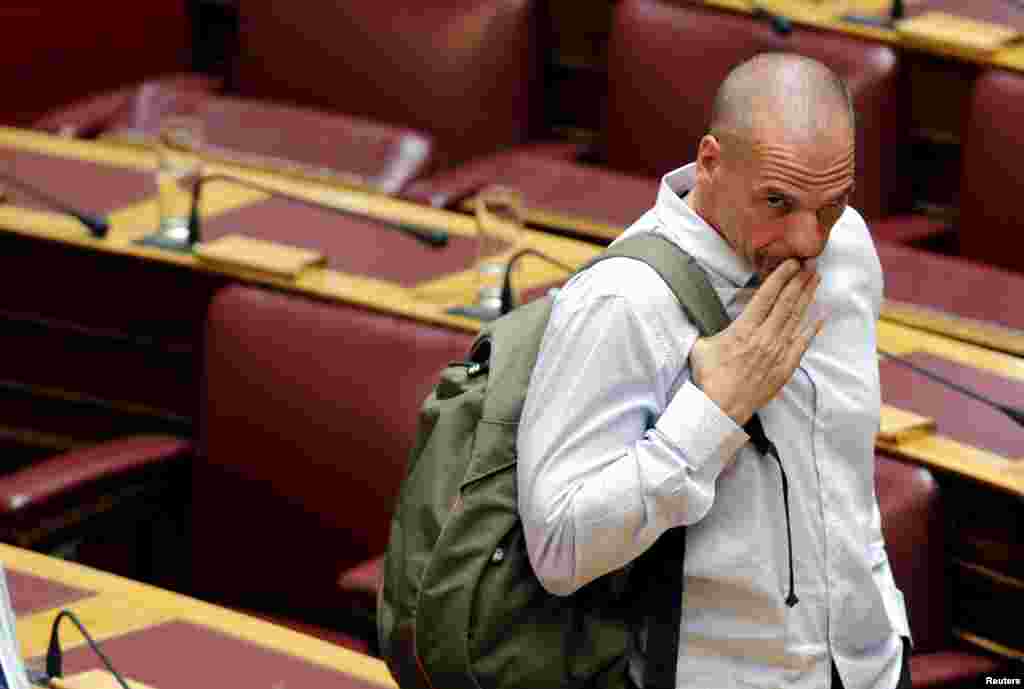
(616, 445)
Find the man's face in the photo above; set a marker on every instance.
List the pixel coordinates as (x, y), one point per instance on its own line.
(777, 197)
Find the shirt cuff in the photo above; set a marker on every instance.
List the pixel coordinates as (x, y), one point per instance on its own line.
(705, 434)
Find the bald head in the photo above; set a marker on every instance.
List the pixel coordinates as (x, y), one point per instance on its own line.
(780, 92)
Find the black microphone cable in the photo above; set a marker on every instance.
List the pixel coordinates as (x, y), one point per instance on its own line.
(507, 302)
(1013, 412)
(428, 235)
(54, 656)
(97, 225)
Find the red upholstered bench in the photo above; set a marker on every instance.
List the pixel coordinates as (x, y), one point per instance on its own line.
(310, 410)
(299, 141)
(914, 526)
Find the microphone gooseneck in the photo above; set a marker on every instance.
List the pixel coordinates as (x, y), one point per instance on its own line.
(97, 225)
(1012, 412)
(54, 655)
(428, 235)
(507, 302)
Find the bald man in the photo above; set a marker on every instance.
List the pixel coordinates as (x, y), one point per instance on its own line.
(634, 424)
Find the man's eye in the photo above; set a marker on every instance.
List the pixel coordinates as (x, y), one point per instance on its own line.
(778, 202)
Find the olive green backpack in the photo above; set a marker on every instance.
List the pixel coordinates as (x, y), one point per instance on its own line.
(460, 606)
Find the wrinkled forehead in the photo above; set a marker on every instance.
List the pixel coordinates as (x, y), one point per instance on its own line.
(820, 161)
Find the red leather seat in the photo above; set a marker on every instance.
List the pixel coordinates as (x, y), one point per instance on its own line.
(990, 188)
(914, 526)
(990, 216)
(310, 411)
(665, 63)
(466, 72)
(387, 90)
(288, 139)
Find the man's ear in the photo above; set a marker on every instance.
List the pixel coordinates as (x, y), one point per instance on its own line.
(709, 157)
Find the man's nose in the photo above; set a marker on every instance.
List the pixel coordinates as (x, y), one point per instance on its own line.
(808, 236)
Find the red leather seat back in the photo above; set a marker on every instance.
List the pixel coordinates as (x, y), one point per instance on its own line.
(464, 71)
(914, 527)
(304, 141)
(991, 216)
(311, 410)
(665, 64)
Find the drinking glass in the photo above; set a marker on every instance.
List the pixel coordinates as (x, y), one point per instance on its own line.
(178, 170)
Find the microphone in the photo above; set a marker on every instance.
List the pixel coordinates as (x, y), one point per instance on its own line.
(55, 657)
(98, 225)
(430, 236)
(1012, 412)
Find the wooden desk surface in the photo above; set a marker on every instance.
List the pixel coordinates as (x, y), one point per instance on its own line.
(116, 606)
(827, 14)
(428, 301)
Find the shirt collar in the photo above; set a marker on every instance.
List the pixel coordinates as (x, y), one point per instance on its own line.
(693, 233)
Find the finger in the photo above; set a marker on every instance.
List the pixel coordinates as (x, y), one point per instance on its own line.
(799, 312)
(787, 302)
(764, 298)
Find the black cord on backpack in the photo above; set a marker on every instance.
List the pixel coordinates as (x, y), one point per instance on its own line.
(54, 656)
(506, 284)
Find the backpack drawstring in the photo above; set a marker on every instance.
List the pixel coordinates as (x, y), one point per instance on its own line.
(766, 447)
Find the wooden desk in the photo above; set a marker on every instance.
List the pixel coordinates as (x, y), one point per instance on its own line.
(828, 14)
(426, 302)
(122, 614)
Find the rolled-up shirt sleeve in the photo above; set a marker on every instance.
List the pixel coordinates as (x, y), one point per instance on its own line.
(609, 456)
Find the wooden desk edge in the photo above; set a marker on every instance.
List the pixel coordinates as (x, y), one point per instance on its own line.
(1008, 56)
(113, 592)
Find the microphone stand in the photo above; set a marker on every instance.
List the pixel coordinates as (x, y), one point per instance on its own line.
(97, 225)
(430, 236)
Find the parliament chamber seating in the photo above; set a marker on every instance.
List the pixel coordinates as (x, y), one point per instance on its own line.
(991, 218)
(463, 80)
(664, 64)
(302, 141)
(914, 526)
(310, 411)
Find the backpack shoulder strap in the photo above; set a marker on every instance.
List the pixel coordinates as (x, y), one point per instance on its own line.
(680, 271)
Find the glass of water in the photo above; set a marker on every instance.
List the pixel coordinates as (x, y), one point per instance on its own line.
(179, 167)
